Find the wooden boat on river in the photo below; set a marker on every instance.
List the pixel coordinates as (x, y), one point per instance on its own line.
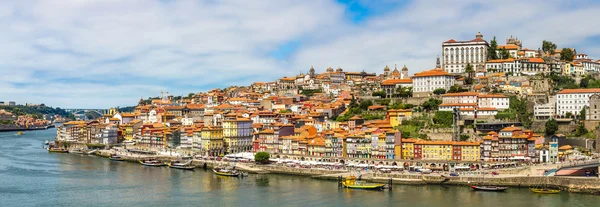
(76, 151)
(58, 150)
(351, 182)
(226, 171)
(182, 165)
(152, 163)
(544, 190)
(116, 158)
(489, 188)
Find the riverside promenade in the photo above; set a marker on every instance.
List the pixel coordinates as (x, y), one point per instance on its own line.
(588, 185)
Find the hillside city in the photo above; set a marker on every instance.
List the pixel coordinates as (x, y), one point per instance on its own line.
(479, 101)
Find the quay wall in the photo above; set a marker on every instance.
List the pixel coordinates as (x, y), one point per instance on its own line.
(570, 184)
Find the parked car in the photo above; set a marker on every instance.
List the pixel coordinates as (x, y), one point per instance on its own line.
(453, 174)
(495, 173)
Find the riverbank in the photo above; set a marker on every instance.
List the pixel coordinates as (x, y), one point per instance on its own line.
(568, 184)
(14, 128)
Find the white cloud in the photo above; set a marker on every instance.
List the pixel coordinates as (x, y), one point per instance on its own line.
(413, 34)
(102, 53)
(57, 47)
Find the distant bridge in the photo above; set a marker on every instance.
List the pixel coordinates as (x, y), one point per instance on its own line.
(77, 111)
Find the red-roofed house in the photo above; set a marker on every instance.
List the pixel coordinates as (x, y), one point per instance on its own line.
(424, 83)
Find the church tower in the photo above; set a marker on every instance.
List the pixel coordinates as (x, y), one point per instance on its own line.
(311, 72)
(386, 72)
(437, 62)
(404, 72)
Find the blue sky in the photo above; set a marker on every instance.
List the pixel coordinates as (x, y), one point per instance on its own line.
(104, 53)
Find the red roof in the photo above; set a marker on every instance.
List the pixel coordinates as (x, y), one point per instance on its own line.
(396, 81)
(461, 94)
(434, 72)
(450, 41)
(586, 90)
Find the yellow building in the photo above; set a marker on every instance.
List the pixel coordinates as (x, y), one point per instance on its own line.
(212, 141)
(130, 129)
(237, 135)
(113, 111)
(316, 147)
(397, 115)
(469, 151)
(435, 150)
(568, 68)
(408, 149)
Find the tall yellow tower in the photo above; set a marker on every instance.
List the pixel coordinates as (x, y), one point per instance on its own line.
(113, 111)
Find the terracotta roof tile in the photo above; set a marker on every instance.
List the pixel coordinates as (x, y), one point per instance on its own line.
(586, 90)
(434, 72)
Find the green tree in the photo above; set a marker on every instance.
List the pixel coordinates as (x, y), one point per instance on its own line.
(190, 95)
(584, 82)
(569, 114)
(491, 53)
(353, 102)
(582, 114)
(456, 89)
(262, 157)
(443, 118)
(504, 54)
(310, 92)
(551, 127)
(581, 130)
(566, 54)
(381, 94)
(464, 137)
(404, 92)
(564, 82)
(469, 69)
(431, 104)
(364, 105)
(548, 47)
(439, 91)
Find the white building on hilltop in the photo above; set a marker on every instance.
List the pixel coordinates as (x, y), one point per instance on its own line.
(457, 54)
(424, 83)
(573, 100)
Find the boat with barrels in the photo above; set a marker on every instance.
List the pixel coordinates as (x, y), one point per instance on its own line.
(226, 171)
(351, 182)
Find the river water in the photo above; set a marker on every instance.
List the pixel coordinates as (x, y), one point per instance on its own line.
(30, 176)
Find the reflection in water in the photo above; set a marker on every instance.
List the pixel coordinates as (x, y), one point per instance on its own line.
(28, 173)
(262, 181)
